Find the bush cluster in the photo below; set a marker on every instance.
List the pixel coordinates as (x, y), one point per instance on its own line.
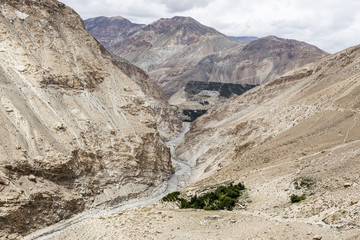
(224, 197)
(296, 198)
(171, 197)
(304, 183)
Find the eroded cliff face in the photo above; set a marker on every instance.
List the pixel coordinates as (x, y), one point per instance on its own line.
(78, 126)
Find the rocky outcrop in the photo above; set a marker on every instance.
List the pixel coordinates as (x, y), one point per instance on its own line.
(79, 126)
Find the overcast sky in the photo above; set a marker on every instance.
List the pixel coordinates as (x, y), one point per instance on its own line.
(332, 25)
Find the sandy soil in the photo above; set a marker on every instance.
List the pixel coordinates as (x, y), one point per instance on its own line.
(159, 223)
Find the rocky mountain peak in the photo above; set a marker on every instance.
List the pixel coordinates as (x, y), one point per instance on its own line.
(184, 19)
(117, 23)
(174, 19)
(107, 29)
(184, 23)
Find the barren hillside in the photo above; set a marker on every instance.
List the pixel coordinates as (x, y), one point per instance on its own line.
(300, 128)
(78, 127)
(82, 129)
(297, 135)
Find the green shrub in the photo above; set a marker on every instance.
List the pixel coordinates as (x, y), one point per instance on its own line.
(171, 197)
(224, 197)
(296, 198)
(184, 203)
(303, 183)
(306, 182)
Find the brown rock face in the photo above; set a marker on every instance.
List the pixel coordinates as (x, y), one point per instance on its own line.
(178, 50)
(78, 127)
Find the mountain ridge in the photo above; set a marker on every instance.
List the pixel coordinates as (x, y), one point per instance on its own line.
(177, 50)
(244, 39)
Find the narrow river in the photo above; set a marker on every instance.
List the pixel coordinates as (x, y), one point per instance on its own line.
(176, 182)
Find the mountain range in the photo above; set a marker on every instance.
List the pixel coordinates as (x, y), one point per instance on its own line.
(86, 135)
(178, 50)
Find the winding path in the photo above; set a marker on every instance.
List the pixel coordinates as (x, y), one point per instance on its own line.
(181, 170)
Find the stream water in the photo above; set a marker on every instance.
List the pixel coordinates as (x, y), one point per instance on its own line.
(176, 182)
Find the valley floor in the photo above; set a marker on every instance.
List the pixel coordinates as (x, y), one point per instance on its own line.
(161, 223)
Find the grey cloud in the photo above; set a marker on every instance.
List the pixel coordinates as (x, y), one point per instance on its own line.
(184, 5)
(330, 24)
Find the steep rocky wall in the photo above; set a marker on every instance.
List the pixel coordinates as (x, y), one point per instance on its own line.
(78, 127)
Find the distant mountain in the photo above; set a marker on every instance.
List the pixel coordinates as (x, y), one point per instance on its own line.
(178, 50)
(244, 39)
(260, 61)
(109, 31)
(166, 48)
(155, 45)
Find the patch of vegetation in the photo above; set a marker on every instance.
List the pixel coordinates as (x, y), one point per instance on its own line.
(297, 198)
(193, 114)
(224, 197)
(171, 197)
(304, 183)
(225, 89)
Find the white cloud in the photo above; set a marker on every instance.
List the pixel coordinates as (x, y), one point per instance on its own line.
(329, 24)
(179, 6)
